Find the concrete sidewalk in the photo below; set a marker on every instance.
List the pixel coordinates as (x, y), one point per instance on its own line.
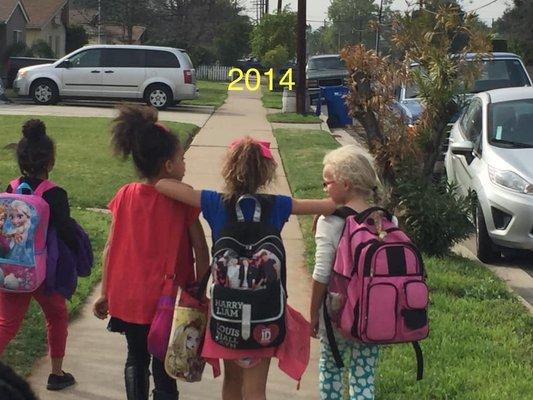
(197, 115)
(96, 357)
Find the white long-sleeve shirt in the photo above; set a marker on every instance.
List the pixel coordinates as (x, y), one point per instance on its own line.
(327, 236)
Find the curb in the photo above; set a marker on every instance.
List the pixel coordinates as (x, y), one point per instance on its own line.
(463, 251)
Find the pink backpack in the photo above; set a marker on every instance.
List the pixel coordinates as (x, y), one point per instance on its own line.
(23, 228)
(377, 292)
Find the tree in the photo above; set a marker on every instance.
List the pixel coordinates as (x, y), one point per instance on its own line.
(350, 19)
(321, 40)
(273, 31)
(127, 13)
(232, 39)
(438, 41)
(515, 25)
(210, 30)
(76, 38)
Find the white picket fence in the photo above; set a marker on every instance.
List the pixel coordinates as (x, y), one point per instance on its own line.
(213, 72)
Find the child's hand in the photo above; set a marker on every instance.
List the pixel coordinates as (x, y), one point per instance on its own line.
(314, 326)
(100, 308)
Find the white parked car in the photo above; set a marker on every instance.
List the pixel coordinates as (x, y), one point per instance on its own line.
(161, 76)
(491, 154)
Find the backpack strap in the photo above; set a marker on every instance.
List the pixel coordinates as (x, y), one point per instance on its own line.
(263, 206)
(363, 215)
(345, 212)
(419, 360)
(44, 186)
(14, 184)
(331, 337)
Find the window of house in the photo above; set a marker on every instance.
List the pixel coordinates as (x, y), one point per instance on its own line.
(57, 46)
(17, 36)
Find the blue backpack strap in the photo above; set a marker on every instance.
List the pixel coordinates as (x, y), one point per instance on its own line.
(22, 186)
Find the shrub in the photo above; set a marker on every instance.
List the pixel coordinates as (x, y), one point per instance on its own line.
(434, 216)
(41, 49)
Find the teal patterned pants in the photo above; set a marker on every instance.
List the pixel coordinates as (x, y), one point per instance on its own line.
(359, 358)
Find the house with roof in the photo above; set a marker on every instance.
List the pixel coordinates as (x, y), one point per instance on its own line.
(13, 21)
(48, 21)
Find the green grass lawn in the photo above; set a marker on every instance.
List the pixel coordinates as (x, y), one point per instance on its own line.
(211, 94)
(30, 343)
(271, 99)
(481, 341)
(294, 118)
(85, 166)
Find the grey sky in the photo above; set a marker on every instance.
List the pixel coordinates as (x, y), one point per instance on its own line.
(317, 10)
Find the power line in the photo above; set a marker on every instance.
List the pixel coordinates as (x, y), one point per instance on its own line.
(483, 6)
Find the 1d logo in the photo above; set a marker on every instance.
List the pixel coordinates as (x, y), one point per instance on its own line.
(264, 335)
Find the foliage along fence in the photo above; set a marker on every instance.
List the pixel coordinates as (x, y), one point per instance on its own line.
(213, 73)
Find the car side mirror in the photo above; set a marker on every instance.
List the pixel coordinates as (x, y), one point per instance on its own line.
(464, 148)
(66, 64)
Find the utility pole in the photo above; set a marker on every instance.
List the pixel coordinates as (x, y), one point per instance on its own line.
(379, 26)
(279, 6)
(266, 7)
(99, 22)
(301, 57)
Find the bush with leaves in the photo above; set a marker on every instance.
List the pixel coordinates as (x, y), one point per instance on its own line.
(276, 57)
(41, 49)
(434, 216)
(16, 50)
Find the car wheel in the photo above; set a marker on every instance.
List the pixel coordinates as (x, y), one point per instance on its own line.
(158, 96)
(485, 248)
(44, 91)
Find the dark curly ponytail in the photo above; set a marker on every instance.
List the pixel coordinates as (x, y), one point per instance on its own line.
(36, 150)
(137, 132)
(12, 386)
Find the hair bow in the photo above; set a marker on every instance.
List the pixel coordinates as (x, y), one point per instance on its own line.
(263, 145)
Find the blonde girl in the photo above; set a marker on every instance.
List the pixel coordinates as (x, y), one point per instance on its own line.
(350, 181)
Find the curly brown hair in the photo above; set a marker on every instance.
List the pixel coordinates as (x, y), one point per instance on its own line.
(246, 169)
(136, 131)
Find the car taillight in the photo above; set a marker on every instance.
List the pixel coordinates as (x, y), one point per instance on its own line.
(187, 76)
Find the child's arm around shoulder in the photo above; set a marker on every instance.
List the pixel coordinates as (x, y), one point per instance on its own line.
(311, 206)
(180, 191)
(201, 251)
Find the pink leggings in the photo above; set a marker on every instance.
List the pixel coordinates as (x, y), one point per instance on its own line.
(13, 307)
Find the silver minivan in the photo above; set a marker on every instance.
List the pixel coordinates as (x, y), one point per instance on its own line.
(161, 76)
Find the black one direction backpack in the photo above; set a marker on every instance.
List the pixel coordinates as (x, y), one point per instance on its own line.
(248, 295)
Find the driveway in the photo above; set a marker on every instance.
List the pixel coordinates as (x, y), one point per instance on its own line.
(197, 115)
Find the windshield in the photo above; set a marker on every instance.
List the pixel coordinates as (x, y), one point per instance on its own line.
(511, 123)
(327, 63)
(495, 74)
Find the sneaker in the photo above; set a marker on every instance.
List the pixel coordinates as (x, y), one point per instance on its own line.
(58, 382)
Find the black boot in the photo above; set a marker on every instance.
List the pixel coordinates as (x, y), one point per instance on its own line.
(137, 383)
(160, 395)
